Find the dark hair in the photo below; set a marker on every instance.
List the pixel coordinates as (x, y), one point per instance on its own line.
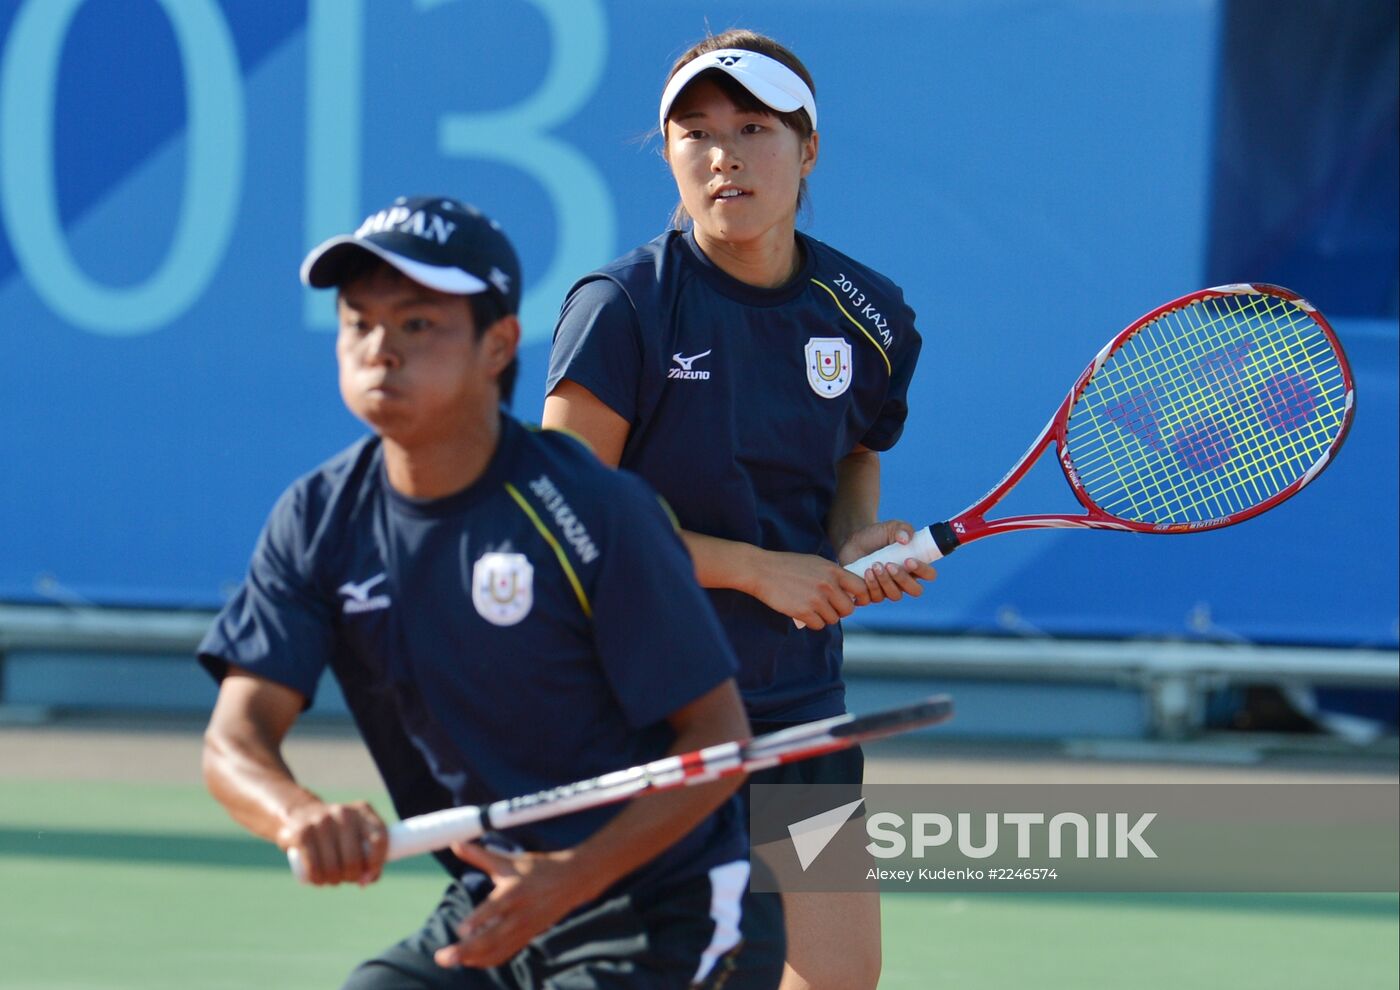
(749, 41)
(486, 307)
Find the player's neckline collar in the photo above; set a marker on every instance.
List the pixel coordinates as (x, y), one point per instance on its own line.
(751, 295)
(487, 483)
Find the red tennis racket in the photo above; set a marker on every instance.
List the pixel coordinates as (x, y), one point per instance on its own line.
(439, 829)
(1203, 413)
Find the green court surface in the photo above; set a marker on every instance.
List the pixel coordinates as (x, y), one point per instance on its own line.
(108, 885)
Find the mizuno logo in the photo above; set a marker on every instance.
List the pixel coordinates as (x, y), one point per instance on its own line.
(358, 597)
(685, 371)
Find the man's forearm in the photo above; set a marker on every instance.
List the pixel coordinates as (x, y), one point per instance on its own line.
(255, 786)
(243, 765)
(641, 832)
(644, 829)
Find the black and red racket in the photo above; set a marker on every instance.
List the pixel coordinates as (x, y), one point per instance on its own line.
(1203, 413)
(439, 829)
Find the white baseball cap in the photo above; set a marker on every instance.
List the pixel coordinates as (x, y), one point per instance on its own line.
(770, 81)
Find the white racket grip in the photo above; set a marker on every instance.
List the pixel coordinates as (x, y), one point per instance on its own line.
(921, 547)
(433, 831)
(297, 864)
(420, 834)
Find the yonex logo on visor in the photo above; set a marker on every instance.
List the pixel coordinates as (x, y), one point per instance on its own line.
(770, 81)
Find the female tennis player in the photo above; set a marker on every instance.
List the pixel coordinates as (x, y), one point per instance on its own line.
(752, 375)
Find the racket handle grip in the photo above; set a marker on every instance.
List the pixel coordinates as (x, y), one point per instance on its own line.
(421, 834)
(434, 831)
(298, 865)
(922, 547)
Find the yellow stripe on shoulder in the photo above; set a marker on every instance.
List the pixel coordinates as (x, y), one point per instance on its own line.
(569, 571)
(889, 370)
(670, 514)
(569, 433)
(537, 428)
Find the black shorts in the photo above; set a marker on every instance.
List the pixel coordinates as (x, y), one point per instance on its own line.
(681, 936)
(843, 770)
(835, 773)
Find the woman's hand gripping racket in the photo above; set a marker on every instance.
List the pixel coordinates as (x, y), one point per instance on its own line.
(439, 829)
(1205, 412)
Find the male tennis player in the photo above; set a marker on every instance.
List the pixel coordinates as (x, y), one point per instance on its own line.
(503, 615)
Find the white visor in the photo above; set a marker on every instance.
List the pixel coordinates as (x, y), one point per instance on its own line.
(321, 267)
(770, 81)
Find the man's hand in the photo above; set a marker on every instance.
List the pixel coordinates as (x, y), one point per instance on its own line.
(886, 582)
(533, 891)
(339, 843)
(244, 769)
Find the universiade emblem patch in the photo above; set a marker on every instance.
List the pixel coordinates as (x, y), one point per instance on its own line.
(503, 587)
(829, 365)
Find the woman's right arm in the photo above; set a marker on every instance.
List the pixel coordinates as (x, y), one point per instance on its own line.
(804, 586)
(244, 770)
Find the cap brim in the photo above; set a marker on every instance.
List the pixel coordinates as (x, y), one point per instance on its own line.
(770, 93)
(323, 266)
(771, 83)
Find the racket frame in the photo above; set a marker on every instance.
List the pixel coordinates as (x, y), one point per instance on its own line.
(972, 524)
(439, 829)
(940, 539)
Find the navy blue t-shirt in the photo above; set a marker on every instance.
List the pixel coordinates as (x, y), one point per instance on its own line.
(534, 629)
(741, 402)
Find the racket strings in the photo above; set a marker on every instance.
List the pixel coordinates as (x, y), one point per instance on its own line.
(1281, 447)
(1211, 441)
(1224, 415)
(1208, 410)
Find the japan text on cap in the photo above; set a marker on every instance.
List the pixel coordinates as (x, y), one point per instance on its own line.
(438, 242)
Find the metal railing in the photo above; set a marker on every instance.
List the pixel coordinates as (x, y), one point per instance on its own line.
(1176, 676)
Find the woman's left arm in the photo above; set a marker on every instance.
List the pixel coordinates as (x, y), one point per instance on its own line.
(855, 530)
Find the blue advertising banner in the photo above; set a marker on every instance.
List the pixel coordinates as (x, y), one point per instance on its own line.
(1034, 175)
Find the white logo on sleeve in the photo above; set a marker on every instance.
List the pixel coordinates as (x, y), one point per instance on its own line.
(829, 365)
(685, 371)
(503, 587)
(358, 597)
